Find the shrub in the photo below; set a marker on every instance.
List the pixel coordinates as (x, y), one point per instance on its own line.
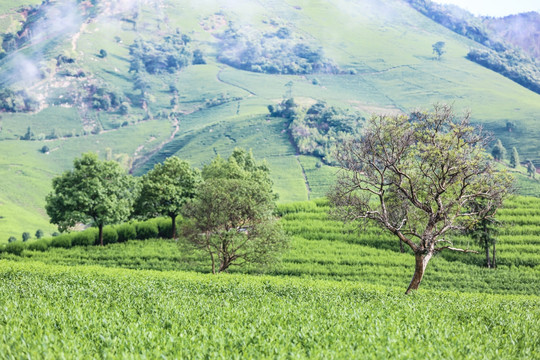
(45, 149)
(12, 239)
(147, 230)
(26, 236)
(164, 227)
(110, 236)
(126, 232)
(39, 234)
(15, 248)
(39, 245)
(84, 238)
(61, 241)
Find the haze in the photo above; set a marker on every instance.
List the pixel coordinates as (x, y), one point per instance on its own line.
(495, 8)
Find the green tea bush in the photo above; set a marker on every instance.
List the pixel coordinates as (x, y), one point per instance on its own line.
(110, 236)
(164, 227)
(39, 245)
(84, 238)
(15, 248)
(147, 230)
(126, 232)
(62, 241)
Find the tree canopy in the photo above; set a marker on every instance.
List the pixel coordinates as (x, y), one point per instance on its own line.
(165, 189)
(416, 176)
(231, 217)
(94, 191)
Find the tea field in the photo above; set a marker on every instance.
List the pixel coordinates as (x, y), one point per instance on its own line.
(336, 293)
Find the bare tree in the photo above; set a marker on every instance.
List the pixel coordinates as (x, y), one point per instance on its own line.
(416, 176)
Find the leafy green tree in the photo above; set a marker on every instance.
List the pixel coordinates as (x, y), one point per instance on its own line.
(498, 152)
(12, 239)
(165, 189)
(435, 164)
(98, 191)
(39, 234)
(484, 232)
(231, 217)
(26, 236)
(438, 49)
(29, 134)
(102, 53)
(45, 149)
(514, 158)
(232, 221)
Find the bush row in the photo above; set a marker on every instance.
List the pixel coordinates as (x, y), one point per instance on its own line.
(141, 230)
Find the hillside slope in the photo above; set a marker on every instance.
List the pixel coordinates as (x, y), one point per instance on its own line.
(105, 82)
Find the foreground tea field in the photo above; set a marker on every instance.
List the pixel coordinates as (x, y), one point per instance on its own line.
(55, 312)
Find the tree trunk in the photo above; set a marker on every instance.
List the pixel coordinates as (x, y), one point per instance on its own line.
(421, 263)
(100, 226)
(173, 231)
(494, 261)
(401, 249)
(488, 262)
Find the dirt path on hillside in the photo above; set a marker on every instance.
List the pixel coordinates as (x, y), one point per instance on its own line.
(306, 181)
(218, 77)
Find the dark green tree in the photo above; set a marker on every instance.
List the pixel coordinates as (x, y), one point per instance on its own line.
(26, 236)
(12, 239)
(102, 53)
(165, 189)
(435, 163)
(94, 191)
(514, 158)
(498, 151)
(484, 232)
(39, 234)
(438, 49)
(29, 134)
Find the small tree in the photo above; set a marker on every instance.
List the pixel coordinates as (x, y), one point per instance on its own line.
(39, 234)
(438, 49)
(165, 189)
(434, 164)
(498, 152)
(102, 53)
(98, 191)
(26, 236)
(45, 149)
(514, 158)
(29, 134)
(231, 216)
(484, 232)
(531, 169)
(12, 239)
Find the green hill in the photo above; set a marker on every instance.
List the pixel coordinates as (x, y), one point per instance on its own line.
(74, 81)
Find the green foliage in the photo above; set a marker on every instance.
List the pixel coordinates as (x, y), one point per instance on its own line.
(511, 64)
(16, 101)
(45, 149)
(26, 236)
(272, 52)
(85, 238)
(61, 241)
(231, 217)
(165, 189)
(102, 53)
(317, 129)
(110, 236)
(514, 158)
(155, 58)
(39, 234)
(15, 248)
(531, 169)
(12, 239)
(105, 99)
(126, 231)
(438, 49)
(98, 191)
(210, 314)
(498, 151)
(39, 245)
(147, 230)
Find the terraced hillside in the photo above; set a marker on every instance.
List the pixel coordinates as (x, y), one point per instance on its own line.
(97, 85)
(337, 293)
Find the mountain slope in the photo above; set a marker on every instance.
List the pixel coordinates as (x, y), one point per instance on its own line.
(382, 52)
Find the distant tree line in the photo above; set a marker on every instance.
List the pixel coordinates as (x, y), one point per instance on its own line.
(17, 101)
(279, 52)
(499, 57)
(317, 129)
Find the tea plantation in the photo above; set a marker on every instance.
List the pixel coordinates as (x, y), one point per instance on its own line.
(337, 293)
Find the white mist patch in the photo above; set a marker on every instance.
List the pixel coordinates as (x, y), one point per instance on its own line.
(25, 70)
